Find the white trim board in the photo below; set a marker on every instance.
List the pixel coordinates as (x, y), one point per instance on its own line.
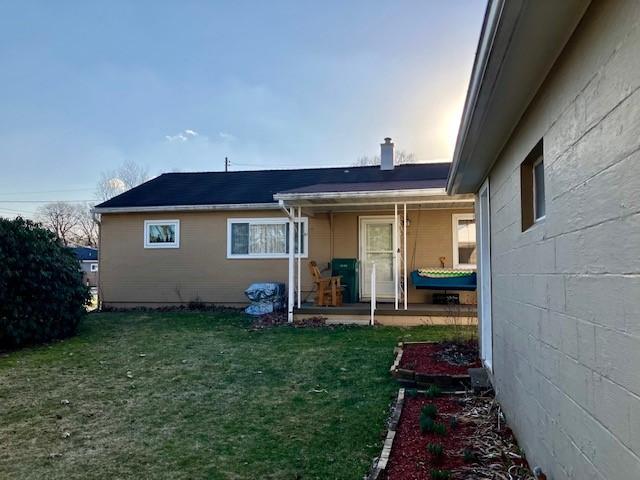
(454, 231)
(148, 223)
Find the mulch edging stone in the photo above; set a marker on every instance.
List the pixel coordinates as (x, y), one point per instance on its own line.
(380, 463)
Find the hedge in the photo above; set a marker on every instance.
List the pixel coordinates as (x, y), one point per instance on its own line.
(42, 296)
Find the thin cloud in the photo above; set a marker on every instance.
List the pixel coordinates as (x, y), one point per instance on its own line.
(183, 136)
(227, 137)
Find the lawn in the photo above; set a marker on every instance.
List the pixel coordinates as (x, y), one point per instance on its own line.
(198, 395)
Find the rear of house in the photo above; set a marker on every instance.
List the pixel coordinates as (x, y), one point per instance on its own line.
(206, 237)
(550, 143)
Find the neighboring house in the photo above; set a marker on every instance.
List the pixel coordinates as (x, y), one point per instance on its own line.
(88, 258)
(550, 144)
(183, 237)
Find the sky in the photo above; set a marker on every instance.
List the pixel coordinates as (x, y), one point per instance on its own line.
(180, 85)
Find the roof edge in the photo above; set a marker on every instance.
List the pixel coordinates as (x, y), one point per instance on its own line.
(427, 192)
(188, 208)
(505, 78)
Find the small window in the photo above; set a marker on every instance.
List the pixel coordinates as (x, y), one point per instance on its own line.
(464, 241)
(532, 196)
(162, 233)
(94, 267)
(538, 189)
(264, 237)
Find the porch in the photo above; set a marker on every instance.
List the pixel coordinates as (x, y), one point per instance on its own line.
(390, 232)
(386, 314)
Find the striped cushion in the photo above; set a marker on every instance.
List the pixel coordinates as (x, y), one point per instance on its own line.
(443, 273)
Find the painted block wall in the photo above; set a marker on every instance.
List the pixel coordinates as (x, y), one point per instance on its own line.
(566, 292)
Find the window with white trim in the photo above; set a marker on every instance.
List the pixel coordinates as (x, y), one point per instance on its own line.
(161, 233)
(464, 240)
(264, 237)
(93, 267)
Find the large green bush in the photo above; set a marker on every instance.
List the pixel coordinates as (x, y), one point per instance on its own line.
(42, 296)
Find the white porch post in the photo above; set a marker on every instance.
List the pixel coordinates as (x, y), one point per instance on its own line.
(290, 298)
(405, 291)
(299, 252)
(373, 293)
(395, 253)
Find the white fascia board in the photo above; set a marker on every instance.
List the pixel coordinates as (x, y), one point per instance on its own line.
(190, 208)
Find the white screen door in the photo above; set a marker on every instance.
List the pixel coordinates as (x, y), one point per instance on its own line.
(377, 245)
(484, 271)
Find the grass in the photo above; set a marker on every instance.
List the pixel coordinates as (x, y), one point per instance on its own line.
(197, 395)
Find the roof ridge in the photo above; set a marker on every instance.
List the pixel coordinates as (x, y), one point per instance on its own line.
(305, 169)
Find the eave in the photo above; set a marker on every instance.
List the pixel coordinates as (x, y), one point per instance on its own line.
(519, 43)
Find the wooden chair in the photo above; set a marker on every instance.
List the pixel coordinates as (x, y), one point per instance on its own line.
(328, 289)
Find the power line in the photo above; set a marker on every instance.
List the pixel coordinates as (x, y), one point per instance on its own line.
(48, 191)
(48, 201)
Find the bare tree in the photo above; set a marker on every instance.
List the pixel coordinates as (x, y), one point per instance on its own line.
(61, 218)
(401, 157)
(86, 231)
(125, 177)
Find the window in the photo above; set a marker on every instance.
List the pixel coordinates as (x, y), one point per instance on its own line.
(264, 237)
(464, 241)
(532, 187)
(538, 189)
(94, 267)
(161, 233)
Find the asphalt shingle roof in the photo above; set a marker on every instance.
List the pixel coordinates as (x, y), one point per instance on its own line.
(259, 186)
(85, 253)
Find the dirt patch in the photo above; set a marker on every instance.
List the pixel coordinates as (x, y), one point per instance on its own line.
(280, 319)
(448, 358)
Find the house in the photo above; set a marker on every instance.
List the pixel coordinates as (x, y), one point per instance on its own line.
(549, 143)
(88, 259)
(184, 237)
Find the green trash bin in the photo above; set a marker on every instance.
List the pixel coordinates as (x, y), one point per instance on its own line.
(348, 269)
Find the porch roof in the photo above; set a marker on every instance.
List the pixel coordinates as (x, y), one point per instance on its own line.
(344, 195)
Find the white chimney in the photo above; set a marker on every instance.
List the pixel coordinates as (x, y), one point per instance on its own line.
(387, 159)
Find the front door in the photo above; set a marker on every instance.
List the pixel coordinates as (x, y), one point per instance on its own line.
(484, 276)
(377, 246)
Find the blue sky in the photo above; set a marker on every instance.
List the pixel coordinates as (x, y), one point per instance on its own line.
(180, 85)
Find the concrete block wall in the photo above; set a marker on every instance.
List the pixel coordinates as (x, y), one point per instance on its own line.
(566, 292)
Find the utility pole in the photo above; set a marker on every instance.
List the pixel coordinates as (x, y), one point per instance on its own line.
(226, 164)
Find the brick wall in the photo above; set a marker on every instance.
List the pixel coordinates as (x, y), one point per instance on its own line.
(566, 292)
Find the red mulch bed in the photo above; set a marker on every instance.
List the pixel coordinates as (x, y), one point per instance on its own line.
(448, 358)
(410, 459)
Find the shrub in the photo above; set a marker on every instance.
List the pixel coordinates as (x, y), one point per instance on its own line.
(411, 392)
(433, 391)
(440, 474)
(426, 423)
(439, 428)
(469, 455)
(453, 422)
(435, 449)
(42, 296)
(430, 410)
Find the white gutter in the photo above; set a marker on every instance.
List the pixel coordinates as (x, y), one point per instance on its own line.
(489, 28)
(189, 208)
(362, 194)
